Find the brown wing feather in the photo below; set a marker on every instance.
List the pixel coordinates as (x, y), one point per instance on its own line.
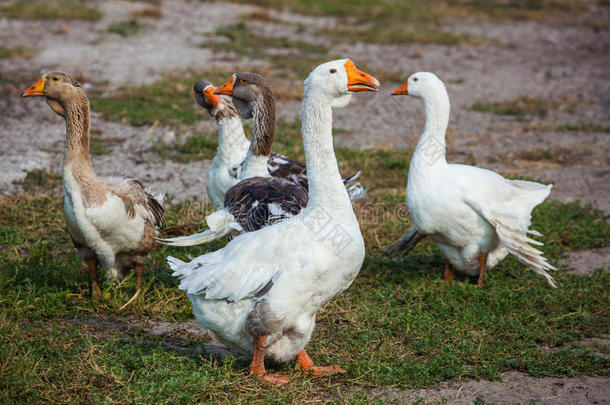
(249, 201)
(135, 194)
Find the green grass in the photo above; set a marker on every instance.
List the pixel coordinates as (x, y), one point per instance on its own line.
(584, 126)
(399, 325)
(40, 180)
(158, 102)
(7, 52)
(49, 10)
(198, 146)
(125, 28)
(424, 34)
(389, 21)
(524, 106)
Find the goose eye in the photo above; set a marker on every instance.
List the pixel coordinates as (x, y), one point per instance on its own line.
(332, 71)
(55, 79)
(415, 79)
(242, 80)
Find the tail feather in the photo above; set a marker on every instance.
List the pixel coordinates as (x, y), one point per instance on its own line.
(406, 242)
(351, 178)
(355, 192)
(220, 223)
(520, 245)
(196, 238)
(175, 265)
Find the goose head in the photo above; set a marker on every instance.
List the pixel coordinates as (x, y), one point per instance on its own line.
(338, 79)
(420, 85)
(58, 88)
(248, 91)
(205, 97)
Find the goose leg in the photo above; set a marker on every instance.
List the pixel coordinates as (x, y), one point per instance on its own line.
(305, 363)
(483, 264)
(257, 367)
(449, 275)
(139, 271)
(95, 288)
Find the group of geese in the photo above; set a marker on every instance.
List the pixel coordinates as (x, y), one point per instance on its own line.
(295, 242)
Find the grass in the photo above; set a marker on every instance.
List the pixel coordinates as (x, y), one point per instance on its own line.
(412, 11)
(125, 28)
(389, 21)
(425, 34)
(399, 325)
(157, 103)
(584, 126)
(49, 10)
(39, 180)
(7, 52)
(560, 155)
(524, 106)
(198, 146)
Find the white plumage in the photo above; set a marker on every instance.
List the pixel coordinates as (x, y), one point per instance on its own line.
(261, 292)
(466, 210)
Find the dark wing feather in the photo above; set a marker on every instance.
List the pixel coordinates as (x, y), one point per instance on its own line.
(283, 167)
(260, 201)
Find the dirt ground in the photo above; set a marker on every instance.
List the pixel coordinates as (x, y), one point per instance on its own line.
(567, 63)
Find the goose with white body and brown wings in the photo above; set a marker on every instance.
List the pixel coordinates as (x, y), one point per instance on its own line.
(475, 216)
(260, 293)
(112, 221)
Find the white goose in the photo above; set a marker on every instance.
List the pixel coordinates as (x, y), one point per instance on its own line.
(232, 142)
(475, 216)
(261, 292)
(272, 187)
(225, 170)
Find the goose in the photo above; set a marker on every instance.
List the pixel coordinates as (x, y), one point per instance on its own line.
(112, 222)
(232, 142)
(259, 199)
(260, 293)
(475, 216)
(225, 168)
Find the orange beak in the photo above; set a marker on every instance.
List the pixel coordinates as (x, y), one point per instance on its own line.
(401, 91)
(357, 80)
(227, 88)
(37, 89)
(211, 98)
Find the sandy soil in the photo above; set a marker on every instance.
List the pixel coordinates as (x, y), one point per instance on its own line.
(567, 63)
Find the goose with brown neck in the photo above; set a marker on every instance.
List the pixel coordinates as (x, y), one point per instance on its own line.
(261, 292)
(112, 222)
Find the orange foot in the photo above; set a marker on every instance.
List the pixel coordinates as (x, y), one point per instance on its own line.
(322, 370)
(305, 363)
(276, 379)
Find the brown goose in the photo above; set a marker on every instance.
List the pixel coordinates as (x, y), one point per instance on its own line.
(112, 222)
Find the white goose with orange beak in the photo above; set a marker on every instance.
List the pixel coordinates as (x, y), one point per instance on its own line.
(475, 216)
(260, 293)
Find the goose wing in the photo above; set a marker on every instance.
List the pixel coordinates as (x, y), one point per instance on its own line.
(260, 201)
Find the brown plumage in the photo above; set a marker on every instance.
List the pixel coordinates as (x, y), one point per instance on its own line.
(118, 236)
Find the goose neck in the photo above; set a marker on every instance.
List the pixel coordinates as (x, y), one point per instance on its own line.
(76, 153)
(231, 137)
(326, 189)
(262, 138)
(431, 148)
